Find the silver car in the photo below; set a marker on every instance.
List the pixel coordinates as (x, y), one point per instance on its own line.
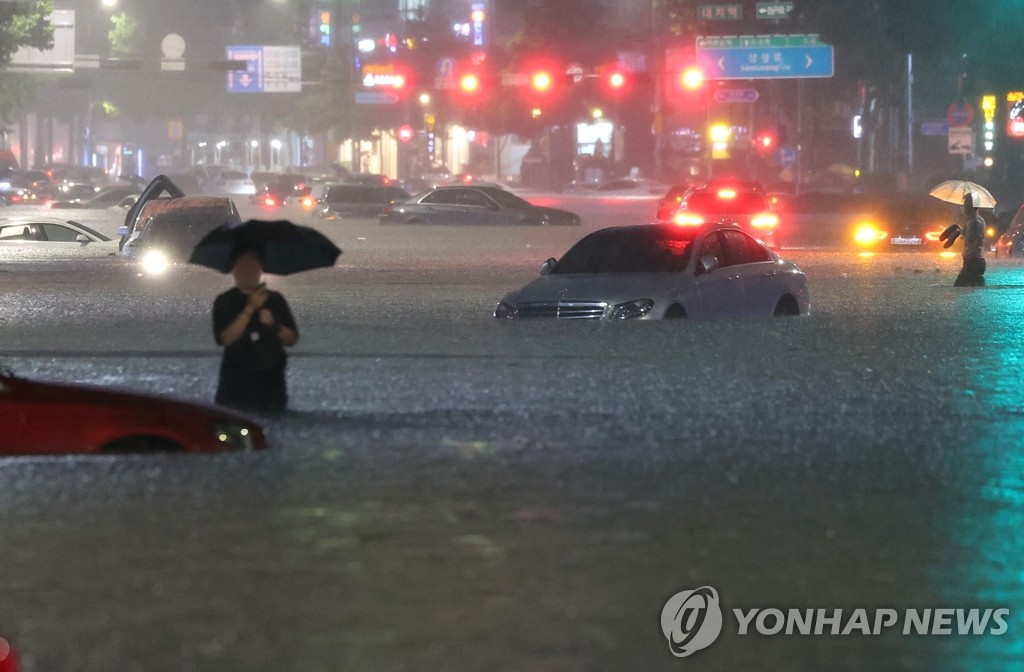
(663, 271)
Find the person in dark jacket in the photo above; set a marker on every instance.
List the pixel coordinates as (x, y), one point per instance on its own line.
(972, 274)
(254, 325)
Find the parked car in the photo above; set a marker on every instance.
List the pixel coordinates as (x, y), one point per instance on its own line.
(1011, 243)
(662, 271)
(349, 200)
(669, 204)
(51, 234)
(220, 180)
(163, 224)
(103, 197)
(749, 209)
(98, 420)
(369, 180)
(477, 205)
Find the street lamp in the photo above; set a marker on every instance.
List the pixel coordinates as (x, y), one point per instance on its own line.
(109, 4)
(424, 99)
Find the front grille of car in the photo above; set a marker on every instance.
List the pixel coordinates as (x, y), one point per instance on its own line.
(562, 310)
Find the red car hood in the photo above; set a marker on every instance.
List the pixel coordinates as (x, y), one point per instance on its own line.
(89, 395)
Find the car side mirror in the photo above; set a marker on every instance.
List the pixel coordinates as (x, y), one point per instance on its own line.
(548, 266)
(123, 231)
(707, 264)
(82, 238)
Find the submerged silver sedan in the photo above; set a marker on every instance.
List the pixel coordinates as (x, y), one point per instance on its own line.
(663, 271)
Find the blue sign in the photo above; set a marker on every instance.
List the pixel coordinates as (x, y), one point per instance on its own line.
(786, 157)
(770, 62)
(249, 80)
(936, 128)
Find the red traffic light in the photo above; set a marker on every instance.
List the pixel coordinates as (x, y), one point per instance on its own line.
(406, 133)
(617, 80)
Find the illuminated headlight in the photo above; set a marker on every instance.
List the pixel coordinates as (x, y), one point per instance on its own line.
(504, 311)
(236, 437)
(632, 309)
(154, 263)
(868, 233)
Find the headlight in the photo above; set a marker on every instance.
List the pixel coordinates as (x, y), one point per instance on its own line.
(504, 311)
(632, 309)
(154, 263)
(868, 233)
(236, 437)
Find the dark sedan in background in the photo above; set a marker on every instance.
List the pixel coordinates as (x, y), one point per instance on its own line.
(354, 200)
(475, 205)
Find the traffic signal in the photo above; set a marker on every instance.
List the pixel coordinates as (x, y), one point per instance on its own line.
(764, 142)
(616, 80)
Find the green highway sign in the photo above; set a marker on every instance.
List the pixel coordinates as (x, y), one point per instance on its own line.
(728, 12)
(774, 10)
(757, 41)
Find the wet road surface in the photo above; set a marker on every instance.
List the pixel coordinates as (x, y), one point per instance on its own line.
(455, 493)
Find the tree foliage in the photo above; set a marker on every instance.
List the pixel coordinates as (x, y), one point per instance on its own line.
(126, 36)
(22, 24)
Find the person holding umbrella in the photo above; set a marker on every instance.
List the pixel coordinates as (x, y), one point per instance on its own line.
(971, 196)
(253, 324)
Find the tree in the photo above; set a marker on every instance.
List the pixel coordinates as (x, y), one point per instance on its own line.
(22, 24)
(126, 38)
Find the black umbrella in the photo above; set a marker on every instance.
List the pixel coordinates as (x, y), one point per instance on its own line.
(285, 248)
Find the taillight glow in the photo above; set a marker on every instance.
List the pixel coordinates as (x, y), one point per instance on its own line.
(727, 194)
(765, 221)
(269, 202)
(307, 202)
(933, 236)
(688, 219)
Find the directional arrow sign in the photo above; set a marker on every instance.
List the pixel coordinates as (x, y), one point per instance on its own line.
(770, 62)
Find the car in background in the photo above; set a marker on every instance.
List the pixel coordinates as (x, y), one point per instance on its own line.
(903, 222)
(669, 204)
(1011, 243)
(638, 187)
(50, 234)
(662, 271)
(40, 418)
(217, 180)
(100, 198)
(474, 205)
(748, 209)
(369, 180)
(349, 200)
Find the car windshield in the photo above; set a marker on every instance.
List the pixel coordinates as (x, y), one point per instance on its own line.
(641, 249)
(726, 202)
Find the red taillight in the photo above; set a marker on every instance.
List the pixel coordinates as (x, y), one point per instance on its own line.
(933, 236)
(727, 194)
(49, 204)
(688, 219)
(15, 198)
(765, 221)
(388, 211)
(307, 202)
(269, 202)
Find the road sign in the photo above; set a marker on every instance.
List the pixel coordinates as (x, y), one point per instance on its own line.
(444, 73)
(269, 69)
(961, 140)
(249, 80)
(935, 128)
(729, 12)
(736, 96)
(764, 57)
(786, 157)
(376, 98)
(773, 10)
(960, 114)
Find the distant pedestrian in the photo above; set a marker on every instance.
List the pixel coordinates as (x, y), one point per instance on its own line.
(254, 325)
(973, 233)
